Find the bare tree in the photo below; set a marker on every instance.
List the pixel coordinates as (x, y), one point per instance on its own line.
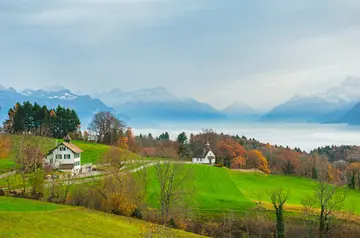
(171, 176)
(106, 127)
(278, 198)
(67, 184)
(330, 200)
(309, 203)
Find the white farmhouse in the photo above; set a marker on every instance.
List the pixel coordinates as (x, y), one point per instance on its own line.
(207, 157)
(65, 156)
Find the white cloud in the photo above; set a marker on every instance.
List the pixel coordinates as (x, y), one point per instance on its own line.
(260, 52)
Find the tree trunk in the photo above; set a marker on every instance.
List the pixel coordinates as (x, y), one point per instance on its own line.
(280, 226)
(322, 222)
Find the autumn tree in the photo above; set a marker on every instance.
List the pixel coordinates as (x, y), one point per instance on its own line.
(167, 149)
(131, 142)
(120, 197)
(353, 175)
(289, 160)
(278, 198)
(5, 146)
(229, 150)
(123, 142)
(255, 159)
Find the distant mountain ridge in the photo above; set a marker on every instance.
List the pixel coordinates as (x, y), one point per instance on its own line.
(84, 105)
(327, 107)
(158, 105)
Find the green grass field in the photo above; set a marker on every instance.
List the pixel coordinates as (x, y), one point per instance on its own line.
(92, 152)
(26, 205)
(28, 218)
(215, 189)
(6, 165)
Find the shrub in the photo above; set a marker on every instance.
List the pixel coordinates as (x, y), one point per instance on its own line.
(218, 165)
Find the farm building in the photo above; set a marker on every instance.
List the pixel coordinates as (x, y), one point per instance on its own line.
(66, 157)
(207, 157)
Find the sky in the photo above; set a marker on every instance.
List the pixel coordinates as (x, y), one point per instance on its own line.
(258, 52)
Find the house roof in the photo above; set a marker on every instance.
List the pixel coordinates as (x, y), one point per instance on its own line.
(72, 147)
(202, 154)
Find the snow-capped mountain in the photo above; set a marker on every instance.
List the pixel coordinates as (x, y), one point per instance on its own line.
(241, 111)
(157, 104)
(84, 105)
(63, 94)
(118, 97)
(328, 106)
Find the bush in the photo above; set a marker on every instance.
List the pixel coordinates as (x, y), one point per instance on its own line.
(2, 193)
(218, 165)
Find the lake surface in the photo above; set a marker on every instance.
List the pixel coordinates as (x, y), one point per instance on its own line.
(306, 136)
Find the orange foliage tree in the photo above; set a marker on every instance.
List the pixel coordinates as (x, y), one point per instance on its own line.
(5, 146)
(255, 159)
(353, 174)
(131, 140)
(230, 151)
(123, 142)
(288, 160)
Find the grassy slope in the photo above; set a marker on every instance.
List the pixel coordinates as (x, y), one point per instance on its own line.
(92, 152)
(25, 205)
(215, 189)
(36, 219)
(45, 144)
(211, 189)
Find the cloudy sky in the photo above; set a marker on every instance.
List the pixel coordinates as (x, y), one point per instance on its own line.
(260, 52)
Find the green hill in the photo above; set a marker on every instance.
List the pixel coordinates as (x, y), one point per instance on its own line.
(92, 152)
(28, 218)
(215, 189)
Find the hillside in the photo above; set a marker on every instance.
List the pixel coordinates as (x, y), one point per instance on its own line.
(27, 218)
(216, 190)
(92, 151)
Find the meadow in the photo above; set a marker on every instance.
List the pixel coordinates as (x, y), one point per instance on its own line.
(28, 218)
(214, 189)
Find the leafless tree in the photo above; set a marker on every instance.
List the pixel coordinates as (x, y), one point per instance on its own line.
(330, 200)
(106, 127)
(278, 198)
(67, 183)
(172, 176)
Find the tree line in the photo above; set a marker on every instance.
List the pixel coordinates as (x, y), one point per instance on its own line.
(34, 119)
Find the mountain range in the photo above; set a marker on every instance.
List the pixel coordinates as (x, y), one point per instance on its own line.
(335, 105)
(84, 105)
(151, 107)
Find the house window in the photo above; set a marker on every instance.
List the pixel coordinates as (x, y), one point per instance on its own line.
(77, 163)
(77, 155)
(58, 156)
(67, 156)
